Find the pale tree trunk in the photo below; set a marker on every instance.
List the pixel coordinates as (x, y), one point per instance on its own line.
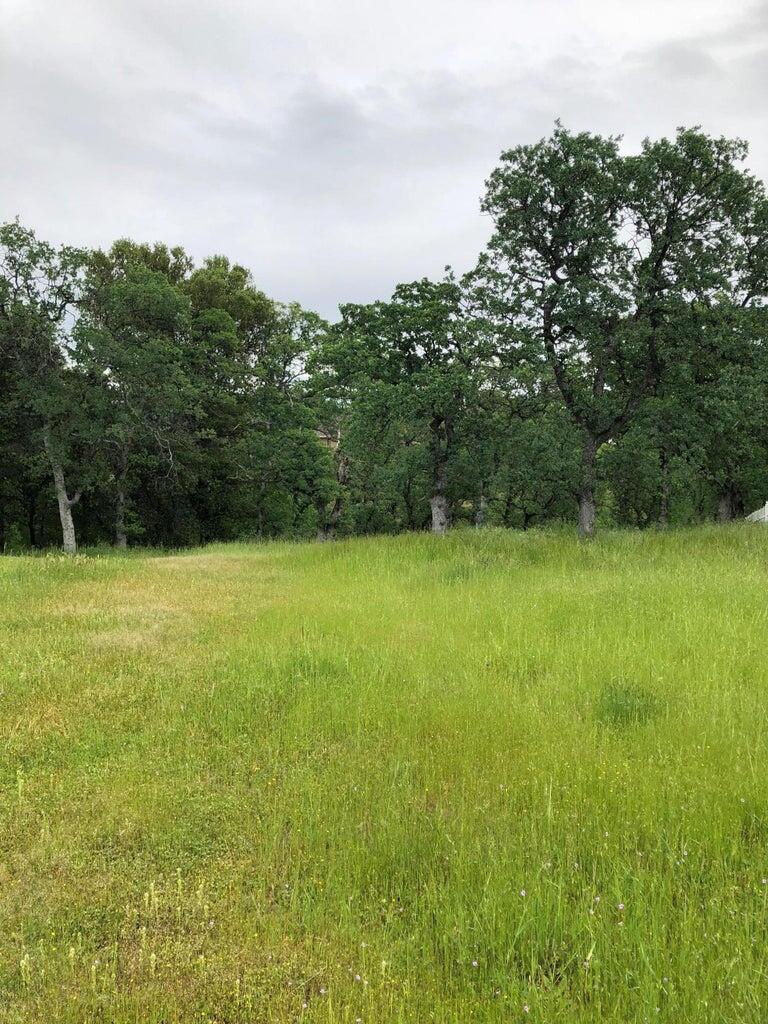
(441, 516)
(69, 542)
(482, 507)
(587, 504)
(665, 490)
(441, 510)
(121, 537)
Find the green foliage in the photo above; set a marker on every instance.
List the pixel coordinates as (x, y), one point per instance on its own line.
(607, 268)
(608, 353)
(175, 398)
(412, 370)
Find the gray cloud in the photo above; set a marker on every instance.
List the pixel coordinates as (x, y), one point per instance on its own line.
(331, 146)
(684, 61)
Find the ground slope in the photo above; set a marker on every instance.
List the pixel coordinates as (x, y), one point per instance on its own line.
(492, 777)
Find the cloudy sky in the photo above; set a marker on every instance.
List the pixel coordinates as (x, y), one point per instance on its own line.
(337, 147)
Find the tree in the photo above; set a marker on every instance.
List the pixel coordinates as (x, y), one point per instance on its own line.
(134, 340)
(417, 355)
(270, 471)
(595, 258)
(39, 286)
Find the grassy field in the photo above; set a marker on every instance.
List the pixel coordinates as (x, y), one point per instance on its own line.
(495, 777)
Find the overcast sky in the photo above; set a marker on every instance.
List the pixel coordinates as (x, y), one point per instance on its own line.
(337, 147)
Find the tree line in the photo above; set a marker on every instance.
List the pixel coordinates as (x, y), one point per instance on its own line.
(605, 360)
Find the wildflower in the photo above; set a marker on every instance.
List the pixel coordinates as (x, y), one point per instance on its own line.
(526, 1008)
(620, 906)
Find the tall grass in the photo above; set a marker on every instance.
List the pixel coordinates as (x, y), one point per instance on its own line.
(492, 777)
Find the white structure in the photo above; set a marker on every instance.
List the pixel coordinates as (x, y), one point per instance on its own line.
(761, 516)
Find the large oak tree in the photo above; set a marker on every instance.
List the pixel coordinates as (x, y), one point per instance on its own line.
(596, 258)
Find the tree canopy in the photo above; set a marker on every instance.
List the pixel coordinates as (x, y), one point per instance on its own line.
(605, 360)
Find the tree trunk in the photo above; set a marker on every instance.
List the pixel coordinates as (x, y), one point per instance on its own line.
(587, 504)
(726, 506)
(327, 528)
(482, 507)
(441, 512)
(329, 522)
(508, 509)
(121, 475)
(69, 543)
(31, 510)
(408, 502)
(730, 505)
(439, 501)
(121, 538)
(665, 490)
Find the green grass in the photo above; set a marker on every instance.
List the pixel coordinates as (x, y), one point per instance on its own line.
(491, 778)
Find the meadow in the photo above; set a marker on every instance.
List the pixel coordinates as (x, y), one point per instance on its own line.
(491, 777)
